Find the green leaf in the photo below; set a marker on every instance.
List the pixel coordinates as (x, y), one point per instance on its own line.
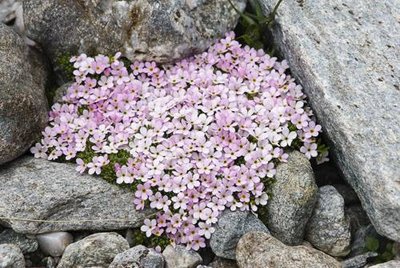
(372, 244)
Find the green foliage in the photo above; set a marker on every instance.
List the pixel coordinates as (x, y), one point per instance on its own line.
(254, 27)
(151, 242)
(65, 66)
(383, 247)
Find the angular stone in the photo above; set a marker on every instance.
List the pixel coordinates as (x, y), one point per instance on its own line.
(263, 250)
(23, 104)
(54, 244)
(180, 257)
(37, 189)
(231, 226)
(163, 31)
(293, 199)
(345, 54)
(329, 229)
(138, 256)
(358, 261)
(97, 250)
(11, 256)
(27, 244)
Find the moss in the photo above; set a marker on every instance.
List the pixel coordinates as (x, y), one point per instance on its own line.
(65, 66)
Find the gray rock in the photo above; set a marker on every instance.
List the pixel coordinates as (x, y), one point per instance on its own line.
(54, 244)
(143, 30)
(38, 189)
(97, 250)
(358, 261)
(11, 256)
(293, 199)
(180, 257)
(138, 257)
(231, 226)
(27, 244)
(256, 250)
(223, 263)
(389, 264)
(350, 197)
(329, 229)
(345, 54)
(23, 105)
(8, 10)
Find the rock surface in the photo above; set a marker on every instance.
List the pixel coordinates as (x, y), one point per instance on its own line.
(262, 250)
(25, 243)
(23, 104)
(8, 9)
(231, 226)
(389, 264)
(345, 54)
(358, 261)
(11, 256)
(143, 30)
(97, 250)
(329, 229)
(38, 189)
(180, 257)
(138, 256)
(294, 195)
(54, 244)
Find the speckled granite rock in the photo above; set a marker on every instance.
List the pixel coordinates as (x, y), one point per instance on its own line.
(345, 54)
(163, 31)
(43, 190)
(27, 244)
(11, 256)
(138, 256)
(231, 226)
(180, 257)
(328, 228)
(358, 261)
(260, 250)
(97, 250)
(23, 104)
(293, 197)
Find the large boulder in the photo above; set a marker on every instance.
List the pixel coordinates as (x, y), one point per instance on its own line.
(35, 189)
(329, 228)
(144, 30)
(263, 250)
(23, 104)
(293, 198)
(97, 250)
(345, 54)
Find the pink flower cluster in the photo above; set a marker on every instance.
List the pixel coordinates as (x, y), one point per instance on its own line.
(202, 134)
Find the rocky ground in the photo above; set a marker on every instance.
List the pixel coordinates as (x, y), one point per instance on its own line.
(345, 213)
